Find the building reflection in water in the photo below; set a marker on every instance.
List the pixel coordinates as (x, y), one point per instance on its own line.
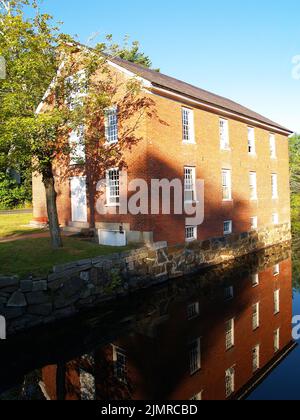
(213, 337)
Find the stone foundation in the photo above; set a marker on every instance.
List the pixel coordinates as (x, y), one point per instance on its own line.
(81, 285)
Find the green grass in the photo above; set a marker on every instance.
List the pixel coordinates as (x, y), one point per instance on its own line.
(36, 257)
(15, 224)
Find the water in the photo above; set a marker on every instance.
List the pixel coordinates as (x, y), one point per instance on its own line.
(224, 334)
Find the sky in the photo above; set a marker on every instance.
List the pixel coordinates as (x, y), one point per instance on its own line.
(240, 49)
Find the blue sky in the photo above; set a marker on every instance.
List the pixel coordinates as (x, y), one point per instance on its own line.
(240, 49)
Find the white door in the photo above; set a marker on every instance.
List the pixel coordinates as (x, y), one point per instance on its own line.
(112, 238)
(78, 199)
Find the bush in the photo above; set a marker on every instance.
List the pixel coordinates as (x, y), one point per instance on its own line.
(13, 195)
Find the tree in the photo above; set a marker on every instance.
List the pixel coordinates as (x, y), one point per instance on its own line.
(39, 56)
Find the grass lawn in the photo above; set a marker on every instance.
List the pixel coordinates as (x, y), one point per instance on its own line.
(36, 257)
(15, 224)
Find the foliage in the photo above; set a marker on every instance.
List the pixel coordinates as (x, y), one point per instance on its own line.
(12, 195)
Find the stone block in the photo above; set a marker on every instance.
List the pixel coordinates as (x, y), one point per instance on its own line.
(17, 300)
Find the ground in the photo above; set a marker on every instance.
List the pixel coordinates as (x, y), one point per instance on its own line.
(33, 255)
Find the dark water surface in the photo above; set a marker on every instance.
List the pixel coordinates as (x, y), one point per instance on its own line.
(224, 334)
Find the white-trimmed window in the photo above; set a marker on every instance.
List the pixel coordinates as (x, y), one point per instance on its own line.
(255, 316)
(77, 146)
(226, 185)
(113, 186)
(229, 334)
(111, 124)
(276, 270)
(253, 185)
(188, 126)
(251, 141)
(227, 227)
(195, 356)
(256, 358)
(274, 183)
(189, 184)
(190, 233)
(229, 293)
(229, 382)
(76, 86)
(273, 150)
(197, 397)
(277, 340)
(255, 280)
(224, 134)
(193, 310)
(275, 218)
(120, 364)
(276, 302)
(254, 222)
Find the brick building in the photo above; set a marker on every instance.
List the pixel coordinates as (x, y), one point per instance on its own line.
(241, 156)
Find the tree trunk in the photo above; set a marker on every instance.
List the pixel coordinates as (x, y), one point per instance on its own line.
(52, 210)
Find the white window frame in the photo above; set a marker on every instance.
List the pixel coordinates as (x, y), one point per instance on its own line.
(277, 340)
(195, 356)
(191, 233)
(224, 134)
(226, 185)
(276, 270)
(120, 363)
(255, 280)
(251, 141)
(275, 219)
(111, 184)
(76, 96)
(256, 358)
(253, 186)
(277, 302)
(229, 382)
(77, 146)
(254, 222)
(230, 227)
(190, 184)
(273, 148)
(193, 310)
(256, 316)
(274, 186)
(188, 125)
(229, 334)
(111, 125)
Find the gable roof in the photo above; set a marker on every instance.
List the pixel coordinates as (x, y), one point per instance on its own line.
(171, 84)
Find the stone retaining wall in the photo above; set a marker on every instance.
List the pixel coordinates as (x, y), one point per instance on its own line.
(81, 285)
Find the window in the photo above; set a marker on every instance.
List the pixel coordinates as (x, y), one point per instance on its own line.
(274, 182)
(190, 233)
(254, 222)
(188, 125)
(273, 146)
(113, 186)
(195, 356)
(226, 185)
(275, 218)
(251, 141)
(255, 316)
(276, 270)
(193, 310)
(228, 227)
(76, 89)
(224, 134)
(111, 125)
(197, 397)
(229, 293)
(253, 186)
(276, 341)
(120, 362)
(256, 358)
(77, 147)
(229, 333)
(189, 184)
(255, 280)
(276, 302)
(229, 382)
